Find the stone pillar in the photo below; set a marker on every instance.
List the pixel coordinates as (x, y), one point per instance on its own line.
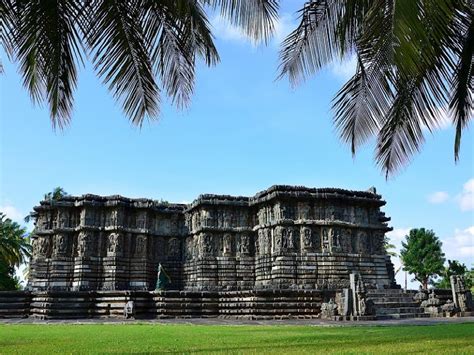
(139, 263)
(226, 263)
(306, 260)
(86, 264)
(245, 262)
(61, 265)
(115, 265)
(284, 263)
(263, 259)
(39, 264)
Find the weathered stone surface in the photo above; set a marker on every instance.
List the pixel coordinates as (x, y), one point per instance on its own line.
(286, 238)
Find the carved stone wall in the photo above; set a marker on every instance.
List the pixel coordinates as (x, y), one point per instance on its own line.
(285, 237)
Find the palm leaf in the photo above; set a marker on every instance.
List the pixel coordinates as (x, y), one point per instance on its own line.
(463, 80)
(115, 36)
(49, 47)
(256, 18)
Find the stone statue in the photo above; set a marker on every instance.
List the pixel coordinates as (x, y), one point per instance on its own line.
(306, 238)
(227, 244)
(244, 244)
(335, 237)
(140, 246)
(290, 238)
(362, 240)
(421, 295)
(329, 309)
(303, 211)
(60, 244)
(461, 295)
(206, 218)
(449, 308)
(41, 246)
(378, 243)
(115, 244)
(84, 244)
(325, 241)
(129, 310)
(63, 218)
(227, 219)
(432, 300)
(278, 235)
(207, 248)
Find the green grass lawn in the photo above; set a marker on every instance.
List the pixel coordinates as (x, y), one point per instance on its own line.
(100, 338)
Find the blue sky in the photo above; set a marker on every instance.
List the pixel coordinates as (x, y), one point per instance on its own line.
(243, 132)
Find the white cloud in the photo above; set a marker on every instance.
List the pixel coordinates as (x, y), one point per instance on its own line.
(13, 213)
(224, 30)
(344, 69)
(460, 246)
(466, 197)
(438, 197)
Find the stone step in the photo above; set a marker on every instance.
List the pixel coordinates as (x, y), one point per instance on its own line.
(402, 316)
(391, 299)
(399, 310)
(396, 304)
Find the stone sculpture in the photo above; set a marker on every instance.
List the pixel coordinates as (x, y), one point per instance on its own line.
(462, 296)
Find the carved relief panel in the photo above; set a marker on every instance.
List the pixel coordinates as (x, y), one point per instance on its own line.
(63, 218)
(140, 246)
(288, 239)
(227, 244)
(206, 245)
(325, 240)
(335, 237)
(244, 244)
(264, 242)
(115, 244)
(306, 239)
(277, 239)
(378, 243)
(362, 242)
(42, 246)
(85, 244)
(60, 247)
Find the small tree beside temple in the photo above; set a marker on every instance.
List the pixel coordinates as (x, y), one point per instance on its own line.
(422, 255)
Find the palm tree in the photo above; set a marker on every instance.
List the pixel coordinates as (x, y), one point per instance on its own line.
(414, 58)
(138, 47)
(56, 194)
(15, 247)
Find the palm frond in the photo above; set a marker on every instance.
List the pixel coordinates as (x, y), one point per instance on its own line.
(313, 43)
(115, 36)
(178, 32)
(461, 102)
(49, 49)
(255, 18)
(362, 103)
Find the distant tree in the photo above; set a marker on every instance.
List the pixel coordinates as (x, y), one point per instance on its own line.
(422, 255)
(15, 249)
(454, 268)
(54, 195)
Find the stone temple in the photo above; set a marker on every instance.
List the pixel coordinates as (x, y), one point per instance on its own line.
(287, 252)
(283, 238)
